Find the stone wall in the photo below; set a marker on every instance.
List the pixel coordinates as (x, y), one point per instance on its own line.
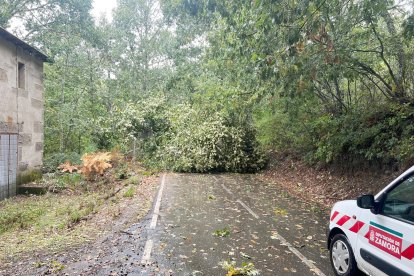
(21, 109)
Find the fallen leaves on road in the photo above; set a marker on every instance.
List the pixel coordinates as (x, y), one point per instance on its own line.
(244, 255)
(211, 197)
(280, 212)
(222, 233)
(247, 269)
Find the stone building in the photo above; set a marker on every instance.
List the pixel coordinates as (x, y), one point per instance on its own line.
(21, 111)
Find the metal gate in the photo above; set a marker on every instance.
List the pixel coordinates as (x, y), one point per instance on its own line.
(8, 165)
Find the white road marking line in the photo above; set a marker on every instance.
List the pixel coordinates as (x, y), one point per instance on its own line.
(147, 252)
(305, 260)
(149, 244)
(157, 205)
(226, 189)
(222, 185)
(248, 209)
(283, 241)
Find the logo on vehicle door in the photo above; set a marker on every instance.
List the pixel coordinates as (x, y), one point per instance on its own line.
(385, 239)
(372, 235)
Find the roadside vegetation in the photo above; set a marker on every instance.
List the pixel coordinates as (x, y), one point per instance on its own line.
(199, 86)
(73, 207)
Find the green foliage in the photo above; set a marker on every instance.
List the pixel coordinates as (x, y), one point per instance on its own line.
(55, 182)
(56, 266)
(12, 216)
(121, 171)
(133, 180)
(222, 232)
(29, 176)
(187, 138)
(328, 81)
(247, 269)
(282, 131)
(280, 212)
(143, 121)
(67, 180)
(319, 90)
(36, 213)
(200, 142)
(85, 208)
(381, 137)
(130, 192)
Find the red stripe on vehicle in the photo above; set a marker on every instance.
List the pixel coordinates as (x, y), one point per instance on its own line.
(334, 215)
(357, 226)
(343, 220)
(408, 253)
(367, 235)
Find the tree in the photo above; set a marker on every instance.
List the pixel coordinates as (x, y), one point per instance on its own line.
(141, 38)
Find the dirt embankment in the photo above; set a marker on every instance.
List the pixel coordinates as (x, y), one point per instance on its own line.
(325, 186)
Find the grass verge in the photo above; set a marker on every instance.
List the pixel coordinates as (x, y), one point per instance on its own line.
(40, 222)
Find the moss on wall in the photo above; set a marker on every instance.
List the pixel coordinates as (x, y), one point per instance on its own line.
(29, 176)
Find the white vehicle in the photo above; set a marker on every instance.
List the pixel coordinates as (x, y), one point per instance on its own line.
(375, 234)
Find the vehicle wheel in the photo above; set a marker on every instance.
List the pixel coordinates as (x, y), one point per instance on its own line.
(342, 258)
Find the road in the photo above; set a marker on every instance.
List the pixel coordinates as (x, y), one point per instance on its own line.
(277, 233)
(262, 225)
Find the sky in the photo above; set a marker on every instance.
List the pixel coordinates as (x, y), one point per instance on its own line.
(103, 7)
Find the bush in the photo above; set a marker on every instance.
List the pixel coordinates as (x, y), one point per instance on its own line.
(381, 136)
(95, 164)
(198, 142)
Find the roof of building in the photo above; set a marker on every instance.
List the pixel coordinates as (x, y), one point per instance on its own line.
(26, 47)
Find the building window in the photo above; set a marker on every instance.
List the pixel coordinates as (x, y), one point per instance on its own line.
(21, 76)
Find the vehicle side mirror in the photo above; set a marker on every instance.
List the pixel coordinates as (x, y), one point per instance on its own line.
(366, 202)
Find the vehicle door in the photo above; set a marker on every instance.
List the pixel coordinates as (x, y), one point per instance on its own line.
(387, 242)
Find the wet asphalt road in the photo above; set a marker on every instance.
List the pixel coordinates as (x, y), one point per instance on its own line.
(194, 206)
